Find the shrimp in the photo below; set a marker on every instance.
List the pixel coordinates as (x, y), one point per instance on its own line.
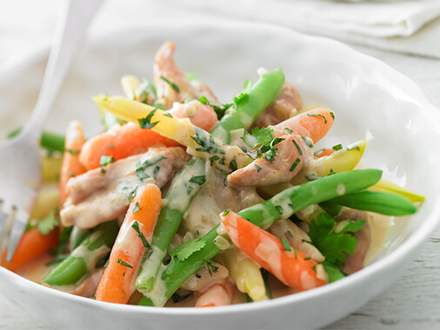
(199, 114)
(292, 153)
(171, 84)
(219, 294)
(287, 104)
(297, 238)
(206, 277)
(288, 265)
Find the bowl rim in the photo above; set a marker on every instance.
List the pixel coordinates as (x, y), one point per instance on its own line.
(415, 95)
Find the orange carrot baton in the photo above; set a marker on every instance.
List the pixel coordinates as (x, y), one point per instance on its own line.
(121, 142)
(284, 263)
(71, 165)
(32, 245)
(117, 283)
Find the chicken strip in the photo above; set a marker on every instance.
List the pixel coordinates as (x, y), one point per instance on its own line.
(102, 195)
(287, 104)
(171, 83)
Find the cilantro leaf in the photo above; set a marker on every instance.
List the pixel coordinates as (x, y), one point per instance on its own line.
(334, 273)
(185, 250)
(49, 223)
(146, 122)
(170, 83)
(198, 179)
(263, 135)
(335, 245)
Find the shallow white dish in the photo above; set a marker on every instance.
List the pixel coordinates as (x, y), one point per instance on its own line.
(367, 96)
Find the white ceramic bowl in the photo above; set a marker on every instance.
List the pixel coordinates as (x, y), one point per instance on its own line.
(367, 96)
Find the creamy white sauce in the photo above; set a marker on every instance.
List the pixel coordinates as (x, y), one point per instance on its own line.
(90, 257)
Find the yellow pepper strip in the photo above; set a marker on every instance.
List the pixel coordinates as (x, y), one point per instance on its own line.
(245, 274)
(47, 200)
(342, 160)
(129, 84)
(199, 142)
(51, 167)
(387, 186)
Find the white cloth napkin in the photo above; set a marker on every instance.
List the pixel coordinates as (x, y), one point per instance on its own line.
(409, 26)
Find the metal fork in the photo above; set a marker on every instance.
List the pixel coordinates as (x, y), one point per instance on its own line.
(20, 167)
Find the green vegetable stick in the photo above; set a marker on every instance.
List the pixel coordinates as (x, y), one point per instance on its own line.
(182, 189)
(49, 140)
(379, 202)
(84, 258)
(254, 101)
(281, 206)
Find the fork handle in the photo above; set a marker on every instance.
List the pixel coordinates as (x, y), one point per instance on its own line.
(71, 29)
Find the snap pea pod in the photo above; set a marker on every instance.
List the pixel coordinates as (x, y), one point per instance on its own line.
(84, 258)
(378, 202)
(282, 205)
(252, 103)
(182, 189)
(49, 140)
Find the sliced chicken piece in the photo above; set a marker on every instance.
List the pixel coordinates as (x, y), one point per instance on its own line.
(206, 277)
(356, 261)
(103, 194)
(287, 104)
(171, 83)
(214, 197)
(199, 114)
(291, 156)
(87, 288)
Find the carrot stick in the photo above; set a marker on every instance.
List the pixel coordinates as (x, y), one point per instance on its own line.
(117, 283)
(285, 263)
(71, 165)
(32, 245)
(121, 142)
(219, 294)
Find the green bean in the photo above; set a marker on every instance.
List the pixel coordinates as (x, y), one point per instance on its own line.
(49, 140)
(77, 236)
(378, 202)
(182, 189)
(281, 206)
(84, 258)
(252, 103)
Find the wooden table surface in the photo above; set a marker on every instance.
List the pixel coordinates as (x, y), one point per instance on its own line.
(413, 302)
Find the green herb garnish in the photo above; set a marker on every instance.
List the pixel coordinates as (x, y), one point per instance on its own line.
(198, 179)
(141, 236)
(294, 165)
(173, 85)
(124, 263)
(49, 223)
(337, 147)
(146, 122)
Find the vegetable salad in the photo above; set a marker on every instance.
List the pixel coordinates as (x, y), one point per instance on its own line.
(183, 200)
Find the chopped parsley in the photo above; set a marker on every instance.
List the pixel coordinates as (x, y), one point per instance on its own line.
(146, 122)
(173, 85)
(143, 166)
(263, 135)
(294, 165)
(258, 168)
(233, 165)
(141, 236)
(49, 223)
(335, 243)
(198, 179)
(124, 263)
(136, 207)
(266, 142)
(132, 194)
(286, 244)
(298, 148)
(105, 161)
(318, 115)
(206, 144)
(220, 110)
(337, 147)
(272, 150)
